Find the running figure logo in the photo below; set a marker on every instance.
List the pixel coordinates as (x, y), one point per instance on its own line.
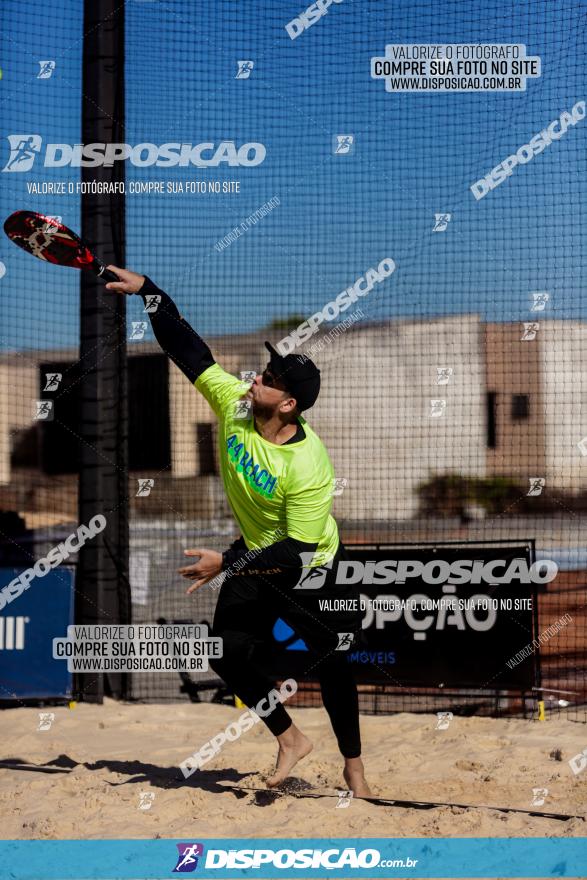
(52, 224)
(444, 719)
(441, 222)
(311, 578)
(345, 640)
(44, 410)
(46, 719)
(243, 409)
(339, 484)
(539, 796)
(531, 328)
(152, 301)
(540, 298)
(344, 799)
(437, 408)
(536, 485)
(146, 799)
(52, 381)
(187, 860)
(244, 69)
(578, 762)
(343, 144)
(145, 486)
(47, 68)
(23, 150)
(443, 375)
(138, 330)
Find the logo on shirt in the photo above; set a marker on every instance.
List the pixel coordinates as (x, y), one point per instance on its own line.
(259, 479)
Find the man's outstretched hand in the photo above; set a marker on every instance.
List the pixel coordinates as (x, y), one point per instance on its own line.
(131, 282)
(208, 567)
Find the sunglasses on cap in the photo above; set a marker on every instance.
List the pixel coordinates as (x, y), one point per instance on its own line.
(269, 379)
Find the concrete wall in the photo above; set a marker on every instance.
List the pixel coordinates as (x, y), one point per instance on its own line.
(551, 369)
(515, 366)
(18, 391)
(564, 371)
(374, 411)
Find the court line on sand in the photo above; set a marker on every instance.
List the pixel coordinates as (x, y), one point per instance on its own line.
(395, 802)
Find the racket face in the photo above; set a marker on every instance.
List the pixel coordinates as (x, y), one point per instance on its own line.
(47, 239)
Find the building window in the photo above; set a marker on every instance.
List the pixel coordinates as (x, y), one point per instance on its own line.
(520, 406)
(206, 448)
(24, 446)
(149, 444)
(491, 419)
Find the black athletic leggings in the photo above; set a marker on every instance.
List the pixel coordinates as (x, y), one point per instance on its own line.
(248, 606)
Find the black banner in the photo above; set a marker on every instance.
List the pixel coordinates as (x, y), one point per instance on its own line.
(442, 615)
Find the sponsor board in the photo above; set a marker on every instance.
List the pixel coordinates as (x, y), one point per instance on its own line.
(438, 615)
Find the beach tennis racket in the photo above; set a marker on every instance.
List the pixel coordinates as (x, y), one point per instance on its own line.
(48, 239)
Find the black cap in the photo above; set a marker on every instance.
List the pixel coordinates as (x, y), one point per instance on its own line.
(298, 373)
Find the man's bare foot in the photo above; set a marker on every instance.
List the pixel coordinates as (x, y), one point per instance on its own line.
(354, 776)
(293, 746)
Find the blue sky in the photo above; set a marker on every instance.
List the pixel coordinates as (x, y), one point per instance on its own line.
(415, 155)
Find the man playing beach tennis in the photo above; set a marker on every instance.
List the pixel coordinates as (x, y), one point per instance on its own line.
(279, 480)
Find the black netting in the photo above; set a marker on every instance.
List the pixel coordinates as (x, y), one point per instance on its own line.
(452, 391)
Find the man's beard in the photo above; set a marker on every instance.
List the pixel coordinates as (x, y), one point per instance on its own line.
(262, 411)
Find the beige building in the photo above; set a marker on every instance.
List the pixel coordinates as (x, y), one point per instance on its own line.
(537, 390)
(388, 423)
(516, 410)
(401, 401)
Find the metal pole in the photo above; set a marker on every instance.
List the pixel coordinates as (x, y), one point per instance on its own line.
(102, 582)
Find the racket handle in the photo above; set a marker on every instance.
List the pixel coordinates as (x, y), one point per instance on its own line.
(103, 273)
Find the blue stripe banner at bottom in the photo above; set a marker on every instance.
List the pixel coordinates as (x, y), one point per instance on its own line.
(283, 857)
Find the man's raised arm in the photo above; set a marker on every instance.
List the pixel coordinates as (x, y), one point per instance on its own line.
(173, 333)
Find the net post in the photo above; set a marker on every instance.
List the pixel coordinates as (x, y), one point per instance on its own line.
(103, 592)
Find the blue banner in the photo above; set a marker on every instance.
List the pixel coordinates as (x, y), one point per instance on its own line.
(28, 626)
(271, 858)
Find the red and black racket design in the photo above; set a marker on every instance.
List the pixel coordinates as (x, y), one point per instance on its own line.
(48, 239)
